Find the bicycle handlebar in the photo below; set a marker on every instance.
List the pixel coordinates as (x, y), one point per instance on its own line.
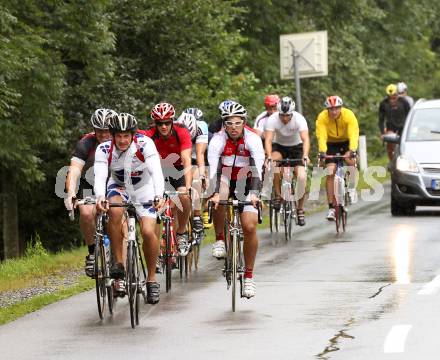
(234, 203)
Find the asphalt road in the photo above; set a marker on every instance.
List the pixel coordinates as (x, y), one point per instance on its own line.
(371, 293)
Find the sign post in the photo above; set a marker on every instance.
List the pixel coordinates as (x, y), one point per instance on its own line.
(303, 55)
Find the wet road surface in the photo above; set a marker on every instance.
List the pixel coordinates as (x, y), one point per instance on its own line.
(371, 293)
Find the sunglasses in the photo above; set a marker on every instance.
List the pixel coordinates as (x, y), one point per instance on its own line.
(234, 123)
(162, 123)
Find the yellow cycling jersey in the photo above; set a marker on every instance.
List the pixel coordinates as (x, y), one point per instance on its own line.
(344, 128)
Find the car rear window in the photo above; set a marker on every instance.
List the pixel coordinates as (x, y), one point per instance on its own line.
(425, 125)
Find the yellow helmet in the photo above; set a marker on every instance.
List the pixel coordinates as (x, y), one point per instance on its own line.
(391, 89)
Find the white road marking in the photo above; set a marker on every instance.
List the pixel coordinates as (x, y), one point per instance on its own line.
(430, 288)
(395, 340)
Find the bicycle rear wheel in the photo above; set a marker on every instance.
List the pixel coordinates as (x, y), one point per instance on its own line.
(337, 217)
(100, 287)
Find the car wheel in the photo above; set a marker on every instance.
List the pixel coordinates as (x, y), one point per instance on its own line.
(396, 208)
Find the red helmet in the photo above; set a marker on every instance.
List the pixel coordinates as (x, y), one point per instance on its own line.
(333, 101)
(271, 100)
(163, 111)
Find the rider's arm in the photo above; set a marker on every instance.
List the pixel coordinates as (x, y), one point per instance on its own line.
(101, 170)
(256, 162)
(304, 135)
(382, 117)
(73, 176)
(200, 157)
(352, 131)
(268, 138)
(321, 131)
(215, 149)
(185, 155)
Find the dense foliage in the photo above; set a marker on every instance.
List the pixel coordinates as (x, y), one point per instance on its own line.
(62, 59)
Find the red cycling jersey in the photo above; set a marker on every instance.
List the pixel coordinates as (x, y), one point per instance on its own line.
(179, 140)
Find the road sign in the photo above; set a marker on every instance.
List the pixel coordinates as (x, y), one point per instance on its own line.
(309, 51)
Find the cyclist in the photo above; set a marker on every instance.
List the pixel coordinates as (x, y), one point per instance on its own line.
(199, 137)
(402, 90)
(82, 160)
(236, 158)
(135, 174)
(290, 135)
(173, 142)
(392, 114)
(270, 102)
(337, 131)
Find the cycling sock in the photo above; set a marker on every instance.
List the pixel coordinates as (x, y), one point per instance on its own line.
(330, 206)
(91, 249)
(248, 273)
(219, 237)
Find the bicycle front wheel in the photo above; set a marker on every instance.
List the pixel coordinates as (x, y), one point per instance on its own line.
(131, 282)
(287, 213)
(234, 268)
(100, 278)
(343, 218)
(168, 257)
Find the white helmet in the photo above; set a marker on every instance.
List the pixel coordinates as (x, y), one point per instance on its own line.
(190, 122)
(101, 118)
(234, 109)
(333, 101)
(122, 123)
(401, 87)
(286, 106)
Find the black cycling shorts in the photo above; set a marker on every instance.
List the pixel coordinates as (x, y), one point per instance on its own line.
(174, 178)
(336, 148)
(290, 152)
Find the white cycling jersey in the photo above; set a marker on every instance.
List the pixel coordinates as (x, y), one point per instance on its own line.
(201, 136)
(287, 134)
(260, 122)
(137, 170)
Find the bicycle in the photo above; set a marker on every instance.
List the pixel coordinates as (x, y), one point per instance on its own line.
(135, 280)
(289, 205)
(341, 197)
(233, 233)
(103, 282)
(169, 256)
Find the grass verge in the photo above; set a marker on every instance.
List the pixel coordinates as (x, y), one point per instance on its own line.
(13, 312)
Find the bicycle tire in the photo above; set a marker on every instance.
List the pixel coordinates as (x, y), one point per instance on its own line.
(337, 218)
(138, 284)
(228, 257)
(168, 257)
(344, 218)
(234, 269)
(131, 284)
(99, 278)
(271, 219)
(287, 213)
(109, 287)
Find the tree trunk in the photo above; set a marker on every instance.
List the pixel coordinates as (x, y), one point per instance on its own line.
(11, 242)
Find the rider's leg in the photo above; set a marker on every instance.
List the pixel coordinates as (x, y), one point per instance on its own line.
(277, 174)
(183, 211)
(150, 245)
(115, 230)
(300, 191)
(249, 221)
(87, 224)
(331, 168)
